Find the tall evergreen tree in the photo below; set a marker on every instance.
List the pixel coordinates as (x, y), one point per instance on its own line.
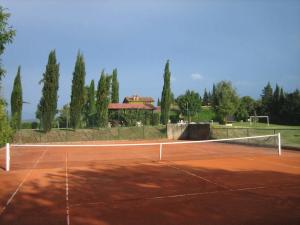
(85, 109)
(275, 104)
(47, 107)
(115, 87)
(266, 99)
(158, 102)
(209, 98)
(77, 96)
(205, 97)
(214, 99)
(282, 97)
(102, 101)
(89, 109)
(109, 86)
(16, 101)
(166, 95)
(91, 103)
(172, 98)
(291, 109)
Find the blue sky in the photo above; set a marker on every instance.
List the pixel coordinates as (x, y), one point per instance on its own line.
(248, 42)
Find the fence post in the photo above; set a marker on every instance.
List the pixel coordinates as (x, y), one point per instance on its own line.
(279, 144)
(7, 161)
(160, 151)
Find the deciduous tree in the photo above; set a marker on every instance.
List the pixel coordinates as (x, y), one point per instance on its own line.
(189, 103)
(7, 34)
(226, 100)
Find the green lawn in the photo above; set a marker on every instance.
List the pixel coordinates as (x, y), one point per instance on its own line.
(263, 125)
(290, 134)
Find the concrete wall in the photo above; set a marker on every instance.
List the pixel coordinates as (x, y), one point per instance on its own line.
(198, 131)
(188, 131)
(177, 131)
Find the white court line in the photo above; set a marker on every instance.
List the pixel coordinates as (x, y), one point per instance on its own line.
(274, 163)
(21, 184)
(196, 175)
(67, 192)
(170, 196)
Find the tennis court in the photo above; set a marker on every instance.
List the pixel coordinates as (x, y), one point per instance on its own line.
(222, 182)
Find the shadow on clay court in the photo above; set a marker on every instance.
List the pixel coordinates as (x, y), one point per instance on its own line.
(152, 193)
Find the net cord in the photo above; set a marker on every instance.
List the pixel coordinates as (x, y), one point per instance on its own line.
(8, 146)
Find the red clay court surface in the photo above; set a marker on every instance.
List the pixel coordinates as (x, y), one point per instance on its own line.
(210, 184)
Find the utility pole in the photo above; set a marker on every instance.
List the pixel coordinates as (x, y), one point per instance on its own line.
(188, 112)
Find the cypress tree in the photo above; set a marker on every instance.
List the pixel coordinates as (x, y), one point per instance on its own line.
(91, 103)
(47, 107)
(214, 99)
(266, 99)
(205, 97)
(16, 101)
(158, 102)
(102, 100)
(85, 109)
(282, 97)
(172, 98)
(77, 96)
(108, 85)
(166, 95)
(115, 87)
(209, 98)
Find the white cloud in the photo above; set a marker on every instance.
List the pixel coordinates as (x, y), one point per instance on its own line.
(197, 76)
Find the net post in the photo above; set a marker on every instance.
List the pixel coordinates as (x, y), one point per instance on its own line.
(160, 151)
(7, 157)
(279, 143)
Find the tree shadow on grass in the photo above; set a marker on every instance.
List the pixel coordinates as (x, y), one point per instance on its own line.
(155, 193)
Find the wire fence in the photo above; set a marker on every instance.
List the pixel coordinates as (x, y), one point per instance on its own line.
(24, 156)
(290, 137)
(70, 135)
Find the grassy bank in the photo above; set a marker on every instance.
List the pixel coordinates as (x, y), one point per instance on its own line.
(69, 135)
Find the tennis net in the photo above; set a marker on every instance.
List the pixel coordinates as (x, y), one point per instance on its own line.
(25, 156)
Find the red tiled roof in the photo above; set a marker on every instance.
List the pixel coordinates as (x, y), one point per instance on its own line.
(157, 109)
(137, 98)
(130, 106)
